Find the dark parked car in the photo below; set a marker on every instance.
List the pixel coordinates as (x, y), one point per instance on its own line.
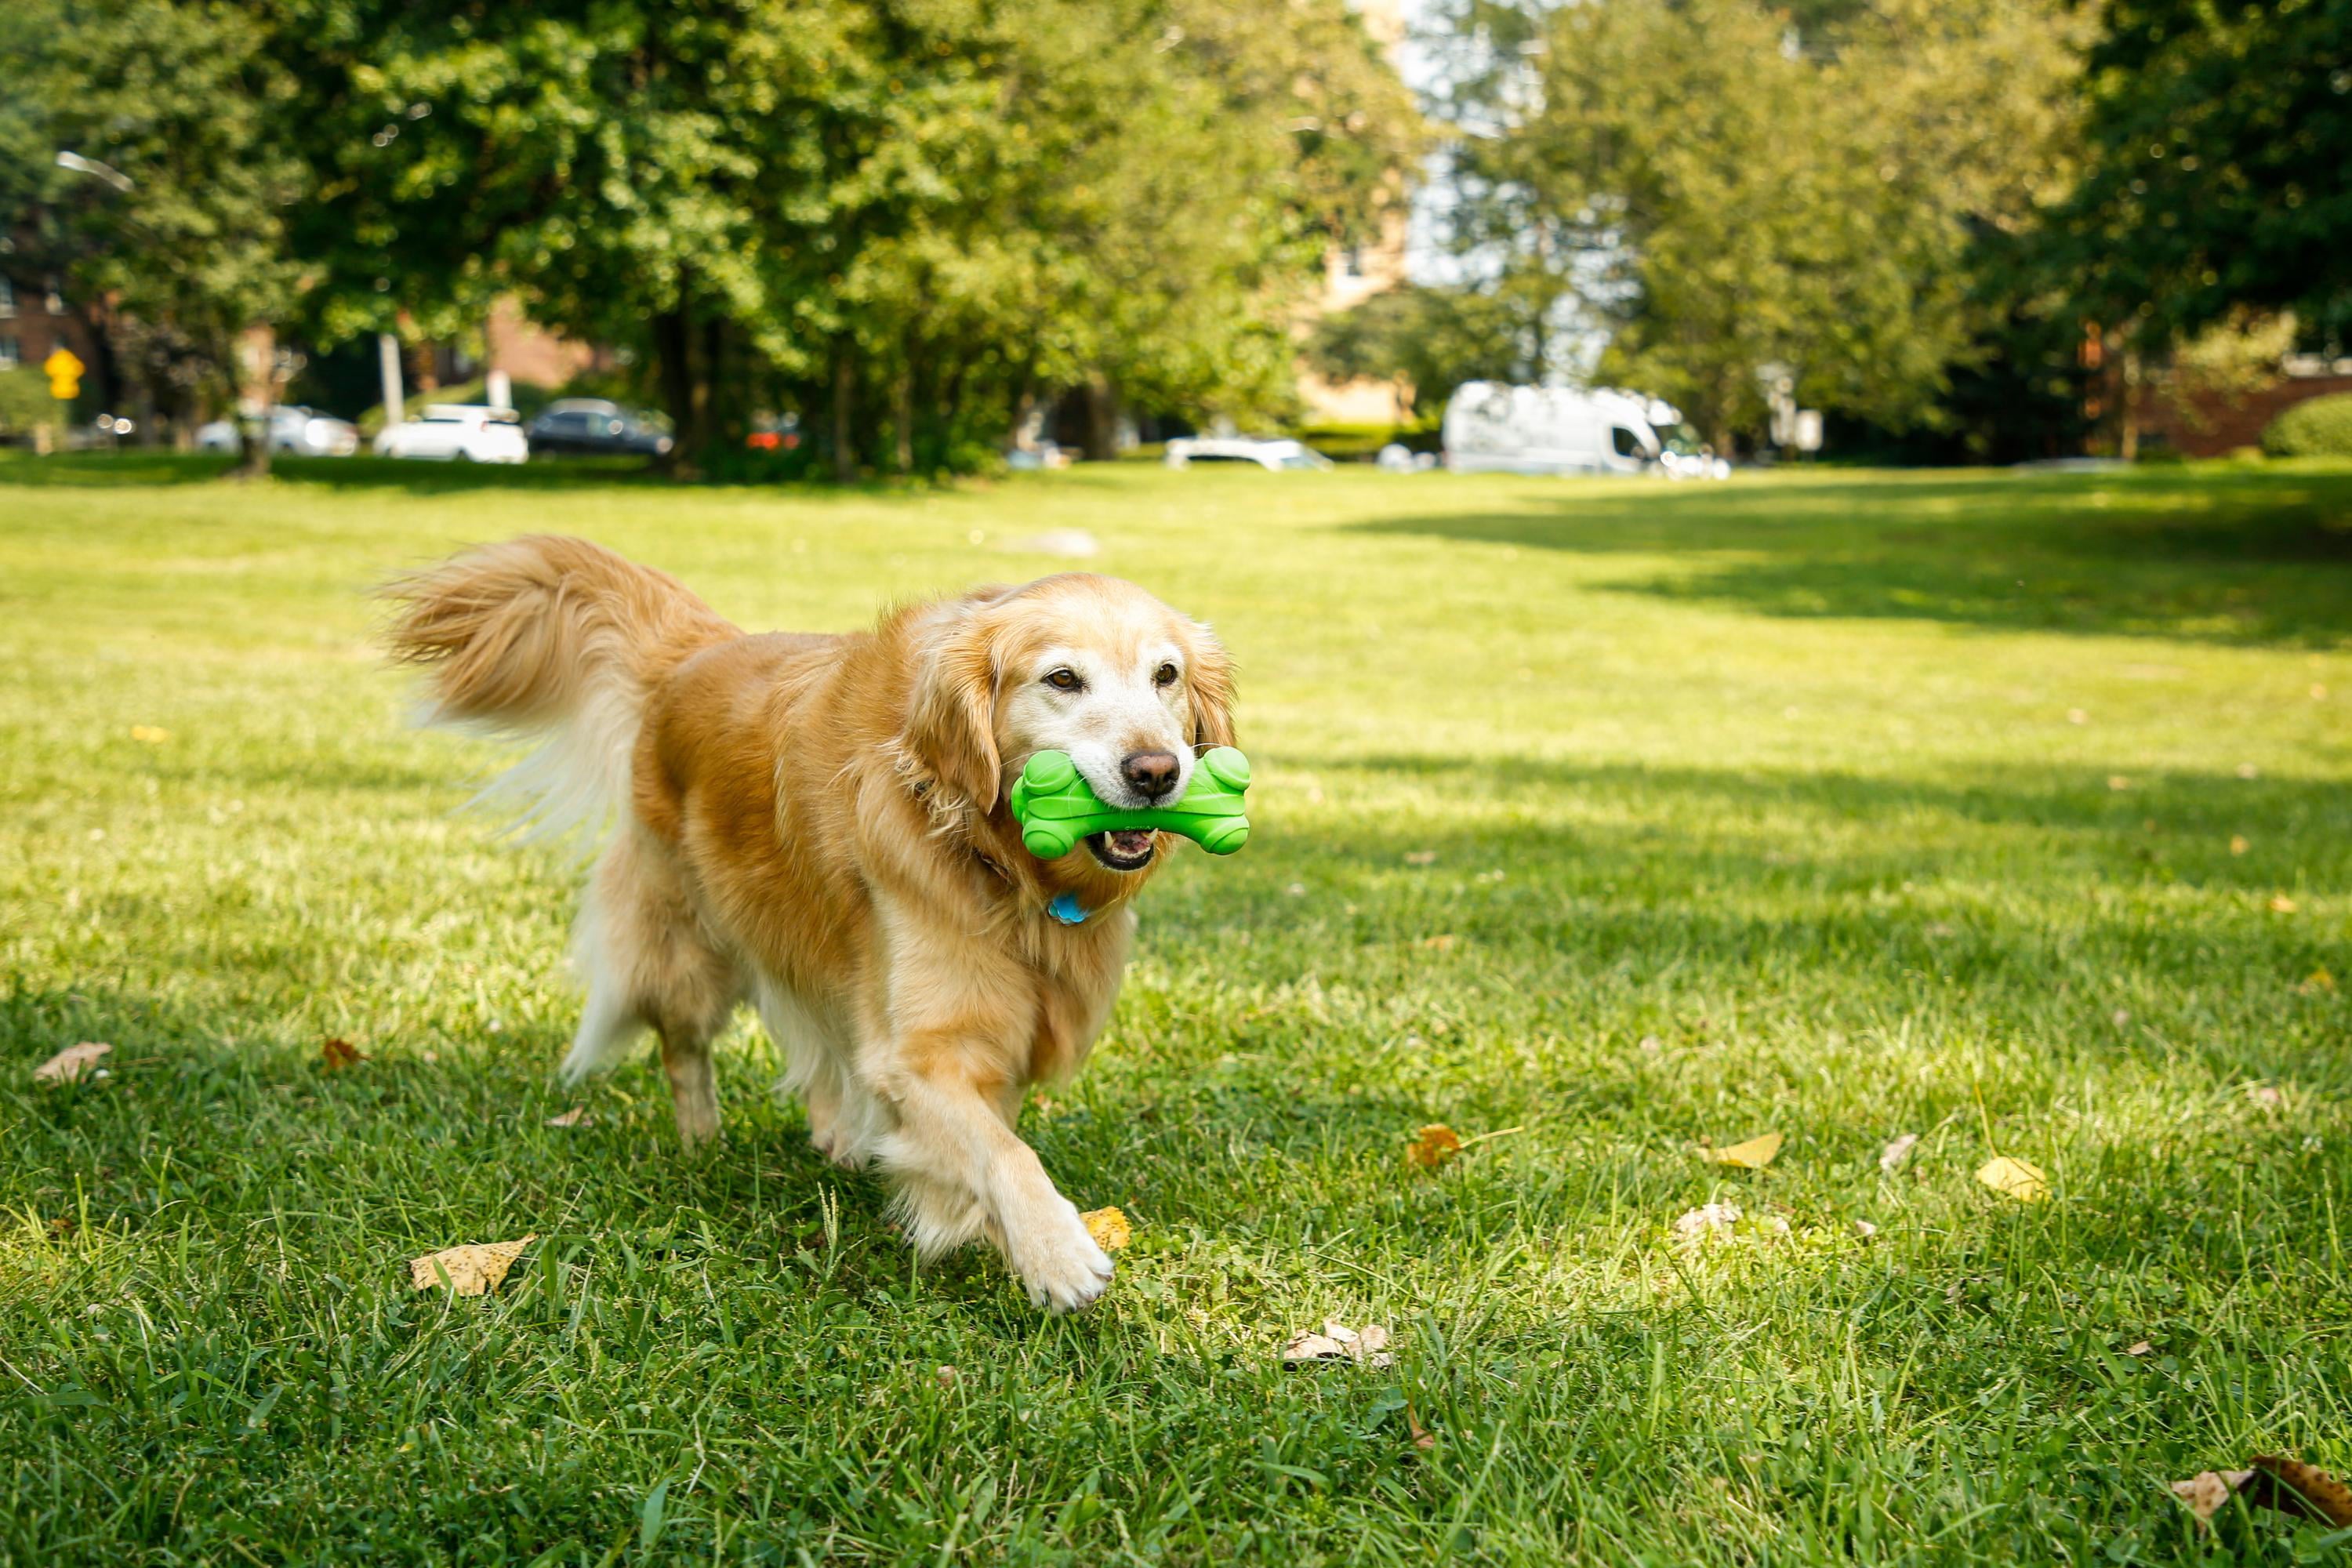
(590, 426)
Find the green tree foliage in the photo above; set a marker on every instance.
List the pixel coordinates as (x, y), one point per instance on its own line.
(2220, 137)
(906, 219)
(182, 98)
(1429, 341)
(1717, 188)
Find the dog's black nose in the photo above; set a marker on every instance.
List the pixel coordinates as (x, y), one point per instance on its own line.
(1151, 773)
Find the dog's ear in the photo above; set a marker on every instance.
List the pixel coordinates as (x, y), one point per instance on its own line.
(1209, 682)
(950, 731)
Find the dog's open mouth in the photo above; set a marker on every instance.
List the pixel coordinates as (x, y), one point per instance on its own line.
(1124, 851)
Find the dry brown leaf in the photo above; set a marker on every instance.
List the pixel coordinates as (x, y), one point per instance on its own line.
(2282, 905)
(1108, 1227)
(1433, 1146)
(2118, 782)
(2141, 1348)
(2207, 1490)
(2238, 845)
(2248, 771)
(1421, 1436)
(1367, 1346)
(472, 1270)
(2014, 1179)
(1443, 943)
(1420, 857)
(1752, 1156)
(2274, 1481)
(337, 1053)
(571, 1118)
(1891, 1158)
(2321, 1492)
(70, 1063)
(149, 734)
(948, 1377)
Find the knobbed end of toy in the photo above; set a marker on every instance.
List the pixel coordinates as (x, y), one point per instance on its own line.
(1225, 838)
(1047, 772)
(1227, 766)
(1044, 843)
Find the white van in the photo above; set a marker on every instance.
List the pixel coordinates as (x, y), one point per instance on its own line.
(1493, 428)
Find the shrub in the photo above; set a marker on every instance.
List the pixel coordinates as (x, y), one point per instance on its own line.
(1362, 443)
(2317, 428)
(25, 400)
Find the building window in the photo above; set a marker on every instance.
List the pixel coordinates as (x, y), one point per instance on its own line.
(9, 354)
(1351, 261)
(8, 300)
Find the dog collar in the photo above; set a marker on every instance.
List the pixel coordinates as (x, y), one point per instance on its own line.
(1066, 910)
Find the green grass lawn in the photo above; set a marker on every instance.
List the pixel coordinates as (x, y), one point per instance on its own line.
(1611, 818)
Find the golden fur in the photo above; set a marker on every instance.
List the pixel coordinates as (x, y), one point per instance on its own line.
(818, 824)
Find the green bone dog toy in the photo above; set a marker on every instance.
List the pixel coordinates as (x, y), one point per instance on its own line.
(1057, 807)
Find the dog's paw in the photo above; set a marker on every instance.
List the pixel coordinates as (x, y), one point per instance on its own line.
(1058, 1262)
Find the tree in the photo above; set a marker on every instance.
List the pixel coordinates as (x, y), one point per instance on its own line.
(2219, 139)
(906, 219)
(1429, 341)
(1717, 193)
(180, 98)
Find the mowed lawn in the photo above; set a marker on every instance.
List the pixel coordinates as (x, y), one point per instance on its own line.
(1606, 820)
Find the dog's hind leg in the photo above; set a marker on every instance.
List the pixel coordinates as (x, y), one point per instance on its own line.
(649, 960)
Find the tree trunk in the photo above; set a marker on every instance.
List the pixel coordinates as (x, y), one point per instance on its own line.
(682, 397)
(902, 413)
(1102, 420)
(845, 398)
(261, 383)
(2127, 436)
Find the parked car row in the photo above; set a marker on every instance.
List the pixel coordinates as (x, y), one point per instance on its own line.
(463, 433)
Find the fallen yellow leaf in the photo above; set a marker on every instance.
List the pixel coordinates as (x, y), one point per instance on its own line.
(2014, 1179)
(1752, 1156)
(1420, 857)
(2316, 981)
(149, 734)
(70, 1063)
(472, 1270)
(2118, 782)
(2238, 845)
(2282, 905)
(1433, 1146)
(1108, 1227)
(1443, 943)
(571, 1118)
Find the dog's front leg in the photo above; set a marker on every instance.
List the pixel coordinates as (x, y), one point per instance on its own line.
(947, 1057)
(961, 1168)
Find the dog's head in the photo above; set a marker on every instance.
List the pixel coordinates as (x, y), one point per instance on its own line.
(1091, 665)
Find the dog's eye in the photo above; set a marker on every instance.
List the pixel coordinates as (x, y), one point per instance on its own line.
(1164, 676)
(1065, 680)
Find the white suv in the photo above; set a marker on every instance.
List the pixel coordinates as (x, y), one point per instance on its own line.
(459, 432)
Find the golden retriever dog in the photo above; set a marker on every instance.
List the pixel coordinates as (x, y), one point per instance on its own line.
(819, 824)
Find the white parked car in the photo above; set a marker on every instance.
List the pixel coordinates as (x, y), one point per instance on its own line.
(1266, 452)
(458, 432)
(305, 432)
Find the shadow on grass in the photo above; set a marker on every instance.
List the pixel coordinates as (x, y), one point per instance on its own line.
(2212, 553)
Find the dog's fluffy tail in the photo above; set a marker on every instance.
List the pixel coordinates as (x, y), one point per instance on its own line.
(555, 640)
